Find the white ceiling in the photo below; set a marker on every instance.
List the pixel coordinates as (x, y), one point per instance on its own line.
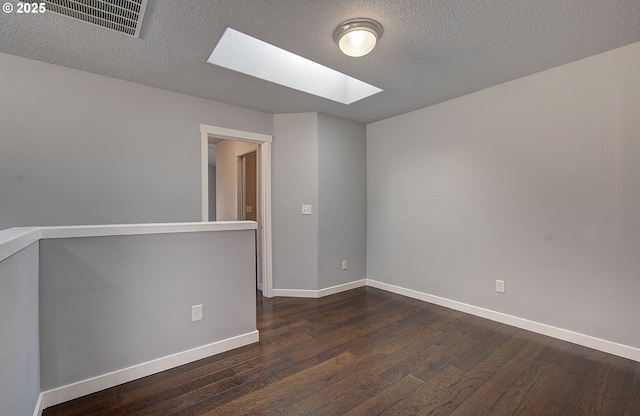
(431, 50)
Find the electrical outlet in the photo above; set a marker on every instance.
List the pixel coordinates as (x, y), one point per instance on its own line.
(500, 286)
(344, 265)
(306, 210)
(196, 313)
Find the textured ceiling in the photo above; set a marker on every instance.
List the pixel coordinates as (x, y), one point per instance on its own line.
(431, 50)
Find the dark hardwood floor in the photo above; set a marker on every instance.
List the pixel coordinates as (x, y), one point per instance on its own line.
(370, 352)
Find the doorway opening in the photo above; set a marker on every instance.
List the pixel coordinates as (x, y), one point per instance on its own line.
(262, 209)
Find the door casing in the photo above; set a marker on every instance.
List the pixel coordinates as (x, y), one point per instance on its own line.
(265, 263)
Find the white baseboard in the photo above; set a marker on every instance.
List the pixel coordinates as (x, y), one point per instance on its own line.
(301, 293)
(295, 293)
(105, 381)
(39, 407)
(341, 288)
(559, 333)
(75, 390)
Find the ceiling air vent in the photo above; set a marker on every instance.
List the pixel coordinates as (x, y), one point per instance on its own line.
(123, 16)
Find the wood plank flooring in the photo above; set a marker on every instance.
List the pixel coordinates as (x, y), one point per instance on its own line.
(370, 352)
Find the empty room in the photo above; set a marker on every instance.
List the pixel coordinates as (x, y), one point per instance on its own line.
(319, 208)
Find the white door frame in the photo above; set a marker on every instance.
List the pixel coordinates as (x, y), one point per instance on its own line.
(264, 158)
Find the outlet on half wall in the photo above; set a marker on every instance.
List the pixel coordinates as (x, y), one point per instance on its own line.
(196, 313)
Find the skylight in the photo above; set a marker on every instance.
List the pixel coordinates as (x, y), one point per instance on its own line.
(251, 56)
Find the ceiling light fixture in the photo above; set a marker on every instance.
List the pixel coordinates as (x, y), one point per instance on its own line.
(357, 37)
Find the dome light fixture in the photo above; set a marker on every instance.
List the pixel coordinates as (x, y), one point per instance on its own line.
(357, 37)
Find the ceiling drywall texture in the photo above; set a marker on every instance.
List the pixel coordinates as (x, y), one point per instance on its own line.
(431, 50)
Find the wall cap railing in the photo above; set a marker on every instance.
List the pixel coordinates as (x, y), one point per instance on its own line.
(13, 240)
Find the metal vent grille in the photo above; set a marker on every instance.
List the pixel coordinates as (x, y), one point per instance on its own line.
(124, 16)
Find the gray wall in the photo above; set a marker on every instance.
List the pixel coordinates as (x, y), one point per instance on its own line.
(294, 183)
(321, 161)
(342, 199)
(19, 348)
(534, 182)
(79, 148)
(127, 299)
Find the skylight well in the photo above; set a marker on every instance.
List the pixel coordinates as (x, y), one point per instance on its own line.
(251, 56)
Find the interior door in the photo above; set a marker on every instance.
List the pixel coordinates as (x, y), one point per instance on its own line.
(249, 199)
(249, 186)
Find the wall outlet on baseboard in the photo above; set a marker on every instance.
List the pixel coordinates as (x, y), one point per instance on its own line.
(500, 286)
(344, 265)
(196, 313)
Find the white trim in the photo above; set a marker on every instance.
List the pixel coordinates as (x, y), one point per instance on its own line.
(204, 174)
(13, 240)
(295, 293)
(231, 134)
(341, 288)
(302, 293)
(39, 407)
(105, 381)
(264, 153)
(139, 229)
(265, 233)
(552, 331)
(65, 393)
